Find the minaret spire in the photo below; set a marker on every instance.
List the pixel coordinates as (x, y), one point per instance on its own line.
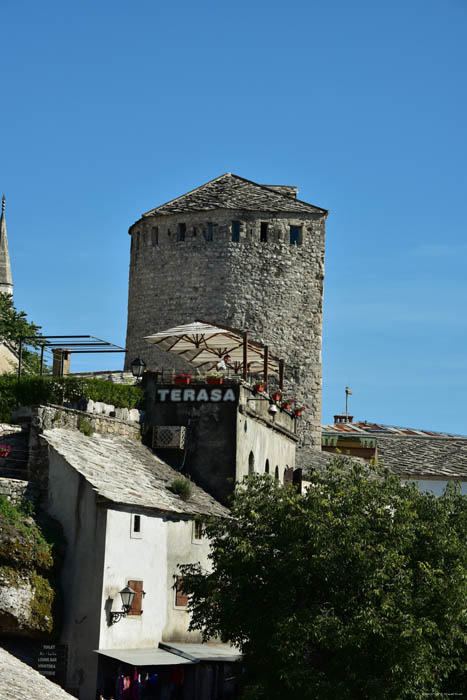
(6, 280)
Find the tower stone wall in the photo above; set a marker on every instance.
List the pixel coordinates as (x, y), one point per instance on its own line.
(271, 288)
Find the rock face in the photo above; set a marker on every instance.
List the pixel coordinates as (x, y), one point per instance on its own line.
(238, 254)
(26, 566)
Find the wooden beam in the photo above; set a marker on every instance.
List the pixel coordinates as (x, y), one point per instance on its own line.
(281, 375)
(245, 355)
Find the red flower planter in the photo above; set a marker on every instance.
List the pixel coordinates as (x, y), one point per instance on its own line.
(298, 412)
(214, 380)
(286, 405)
(259, 388)
(182, 380)
(276, 396)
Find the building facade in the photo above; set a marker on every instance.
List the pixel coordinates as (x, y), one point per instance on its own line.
(241, 254)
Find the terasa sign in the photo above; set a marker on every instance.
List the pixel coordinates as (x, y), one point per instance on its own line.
(178, 395)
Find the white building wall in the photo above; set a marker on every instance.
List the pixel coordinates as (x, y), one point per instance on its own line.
(436, 487)
(129, 557)
(265, 444)
(182, 548)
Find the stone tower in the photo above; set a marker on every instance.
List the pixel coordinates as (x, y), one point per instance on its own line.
(239, 254)
(6, 280)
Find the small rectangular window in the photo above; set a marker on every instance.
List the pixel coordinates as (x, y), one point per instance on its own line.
(295, 235)
(181, 231)
(263, 236)
(181, 598)
(235, 231)
(155, 235)
(208, 231)
(136, 526)
(198, 530)
(136, 606)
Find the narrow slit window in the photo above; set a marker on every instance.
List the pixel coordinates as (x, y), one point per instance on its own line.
(181, 231)
(155, 235)
(263, 236)
(198, 530)
(295, 235)
(137, 523)
(266, 467)
(251, 463)
(209, 231)
(235, 231)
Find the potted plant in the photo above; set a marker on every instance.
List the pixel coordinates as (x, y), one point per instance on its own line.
(5, 450)
(298, 411)
(276, 395)
(182, 378)
(287, 403)
(214, 377)
(259, 386)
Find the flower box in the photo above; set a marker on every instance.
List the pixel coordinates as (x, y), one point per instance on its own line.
(286, 405)
(298, 412)
(276, 395)
(182, 379)
(258, 387)
(214, 380)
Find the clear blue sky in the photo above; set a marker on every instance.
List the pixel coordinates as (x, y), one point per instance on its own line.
(110, 108)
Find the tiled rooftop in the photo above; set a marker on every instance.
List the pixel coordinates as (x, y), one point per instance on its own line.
(21, 682)
(233, 192)
(124, 471)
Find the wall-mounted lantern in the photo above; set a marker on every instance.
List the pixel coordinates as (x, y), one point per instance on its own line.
(137, 367)
(127, 594)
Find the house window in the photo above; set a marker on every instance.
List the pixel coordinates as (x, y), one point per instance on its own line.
(251, 463)
(135, 528)
(197, 530)
(295, 235)
(155, 235)
(235, 231)
(136, 606)
(266, 467)
(181, 231)
(263, 236)
(181, 598)
(208, 231)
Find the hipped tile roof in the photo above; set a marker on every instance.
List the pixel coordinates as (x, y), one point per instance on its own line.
(123, 471)
(230, 191)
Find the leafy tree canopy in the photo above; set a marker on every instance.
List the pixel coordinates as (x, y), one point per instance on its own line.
(357, 589)
(13, 326)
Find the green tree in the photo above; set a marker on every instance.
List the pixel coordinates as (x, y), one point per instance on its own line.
(357, 589)
(13, 326)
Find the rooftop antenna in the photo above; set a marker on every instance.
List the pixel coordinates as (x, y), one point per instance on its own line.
(348, 393)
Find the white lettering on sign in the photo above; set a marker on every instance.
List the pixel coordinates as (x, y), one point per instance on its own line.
(188, 395)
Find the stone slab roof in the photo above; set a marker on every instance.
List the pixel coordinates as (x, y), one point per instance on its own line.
(21, 682)
(432, 457)
(233, 192)
(125, 472)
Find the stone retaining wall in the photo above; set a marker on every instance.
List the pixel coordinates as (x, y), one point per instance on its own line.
(16, 490)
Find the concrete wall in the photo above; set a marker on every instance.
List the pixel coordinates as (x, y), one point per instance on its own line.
(72, 501)
(274, 290)
(221, 435)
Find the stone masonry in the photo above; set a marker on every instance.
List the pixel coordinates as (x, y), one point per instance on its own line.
(223, 254)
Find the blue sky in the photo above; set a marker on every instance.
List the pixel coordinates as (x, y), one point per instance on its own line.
(110, 108)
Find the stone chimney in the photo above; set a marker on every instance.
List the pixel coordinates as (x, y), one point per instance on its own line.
(342, 418)
(61, 362)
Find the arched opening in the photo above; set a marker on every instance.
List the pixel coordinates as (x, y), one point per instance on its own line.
(251, 464)
(266, 467)
(276, 473)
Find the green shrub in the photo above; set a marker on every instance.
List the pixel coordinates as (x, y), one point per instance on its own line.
(85, 427)
(33, 391)
(181, 487)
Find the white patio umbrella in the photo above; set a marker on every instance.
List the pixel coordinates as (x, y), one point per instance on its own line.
(203, 345)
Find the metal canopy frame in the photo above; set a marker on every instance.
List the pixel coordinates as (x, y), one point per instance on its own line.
(83, 343)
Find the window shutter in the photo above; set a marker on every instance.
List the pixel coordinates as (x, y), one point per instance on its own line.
(137, 587)
(181, 598)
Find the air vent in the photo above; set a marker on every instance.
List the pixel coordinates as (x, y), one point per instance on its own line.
(171, 437)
